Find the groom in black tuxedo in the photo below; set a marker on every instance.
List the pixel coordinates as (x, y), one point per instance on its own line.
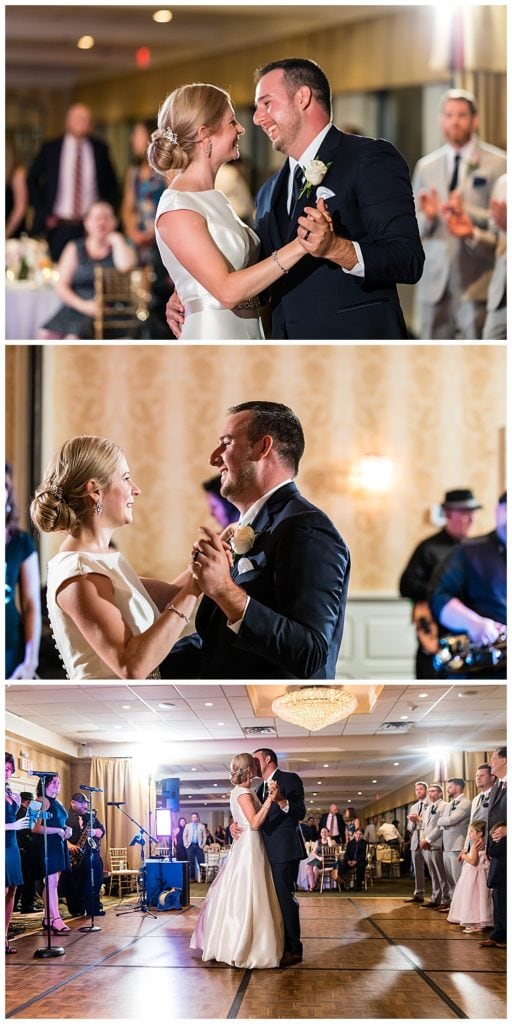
(347, 287)
(279, 613)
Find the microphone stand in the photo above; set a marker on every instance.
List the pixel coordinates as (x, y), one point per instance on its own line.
(91, 927)
(48, 951)
(142, 903)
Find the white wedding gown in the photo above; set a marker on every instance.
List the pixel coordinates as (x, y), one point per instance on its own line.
(240, 921)
(205, 317)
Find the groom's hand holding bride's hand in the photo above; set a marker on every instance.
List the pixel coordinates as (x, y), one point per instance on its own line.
(316, 235)
(210, 566)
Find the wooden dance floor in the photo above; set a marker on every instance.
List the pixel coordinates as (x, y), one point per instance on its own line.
(363, 958)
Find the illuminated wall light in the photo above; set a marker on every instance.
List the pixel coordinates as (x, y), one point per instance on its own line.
(163, 17)
(85, 43)
(373, 474)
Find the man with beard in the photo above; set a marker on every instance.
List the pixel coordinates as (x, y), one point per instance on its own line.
(278, 613)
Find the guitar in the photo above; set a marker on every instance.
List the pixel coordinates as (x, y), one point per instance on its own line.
(460, 654)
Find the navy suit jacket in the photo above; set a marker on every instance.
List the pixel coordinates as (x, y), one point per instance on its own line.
(497, 851)
(355, 851)
(372, 205)
(43, 179)
(293, 624)
(280, 830)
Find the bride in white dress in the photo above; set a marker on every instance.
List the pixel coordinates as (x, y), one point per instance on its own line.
(107, 623)
(240, 921)
(209, 253)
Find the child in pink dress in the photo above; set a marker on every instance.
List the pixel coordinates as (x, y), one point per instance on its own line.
(471, 902)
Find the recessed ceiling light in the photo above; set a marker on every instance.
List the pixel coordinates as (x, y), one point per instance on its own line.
(423, 694)
(126, 707)
(220, 723)
(359, 792)
(208, 704)
(166, 704)
(319, 782)
(85, 43)
(190, 798)
(315, 794)
(163, 17)
(403, 718)
(349, 801)
(215, 784)
(374, 781)
(194, 769)
(396, 764)
(117, 727)
(326, 765)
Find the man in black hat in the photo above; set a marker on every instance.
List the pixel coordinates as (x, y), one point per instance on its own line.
(459, 507)
(469, 591)
(80, 896)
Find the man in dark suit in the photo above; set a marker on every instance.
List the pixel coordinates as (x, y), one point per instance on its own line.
(497, 849)
(68, 175)
(333, 821)
(346, 288)
(279, 612)
(284, 845)
(354, 858)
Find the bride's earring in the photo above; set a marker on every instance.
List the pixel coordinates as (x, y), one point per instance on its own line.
(209, 149)
(99, 507)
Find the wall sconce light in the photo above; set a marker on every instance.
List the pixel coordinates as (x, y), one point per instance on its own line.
(373, 474)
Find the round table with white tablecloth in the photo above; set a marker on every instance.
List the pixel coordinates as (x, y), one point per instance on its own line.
(28, 305)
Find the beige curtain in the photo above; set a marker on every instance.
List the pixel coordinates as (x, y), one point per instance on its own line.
(490, 89)
(120, 778)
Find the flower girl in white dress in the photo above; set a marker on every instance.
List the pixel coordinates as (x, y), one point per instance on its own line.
(240, 921)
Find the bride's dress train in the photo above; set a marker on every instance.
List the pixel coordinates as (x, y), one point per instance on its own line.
(240, 921)
(205, 317)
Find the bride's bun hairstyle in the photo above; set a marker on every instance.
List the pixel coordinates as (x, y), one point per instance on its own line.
(173, 144)
(241, 765)
(61, 501)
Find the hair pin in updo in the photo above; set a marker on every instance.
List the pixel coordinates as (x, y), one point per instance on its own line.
(167, 133)
(57, 491)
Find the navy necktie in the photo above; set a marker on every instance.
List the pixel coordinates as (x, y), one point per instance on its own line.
(298, 178)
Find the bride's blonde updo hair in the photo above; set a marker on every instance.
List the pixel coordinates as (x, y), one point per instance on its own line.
(61, 501)
(241, 766)
(174, 143)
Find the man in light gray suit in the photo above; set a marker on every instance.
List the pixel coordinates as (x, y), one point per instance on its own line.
(484, 780)
(454, 823)
(452, 293)
(414, 821)
(431, 842)
(194, 840)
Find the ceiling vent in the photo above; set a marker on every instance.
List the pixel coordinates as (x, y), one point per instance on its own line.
(260, 730)
(395, 727)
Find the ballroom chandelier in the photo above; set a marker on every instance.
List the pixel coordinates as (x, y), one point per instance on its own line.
(314, 707)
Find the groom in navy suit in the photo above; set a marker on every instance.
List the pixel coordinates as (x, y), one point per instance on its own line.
(279, 613)
(347, 287)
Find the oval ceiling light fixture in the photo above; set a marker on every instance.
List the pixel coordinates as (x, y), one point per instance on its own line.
(163, 17)
(315, 707)
(86, 42)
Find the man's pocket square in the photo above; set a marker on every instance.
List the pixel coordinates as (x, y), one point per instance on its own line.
(244, 565)
(324, 193)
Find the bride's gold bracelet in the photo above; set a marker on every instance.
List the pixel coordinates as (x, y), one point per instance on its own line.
(171, 608)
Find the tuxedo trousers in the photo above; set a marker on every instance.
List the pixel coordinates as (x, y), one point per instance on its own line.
(418, 863)
(285, 880)
(435, 864)
(499, 906)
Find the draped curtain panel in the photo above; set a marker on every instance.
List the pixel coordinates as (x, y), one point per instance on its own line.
(121, 778)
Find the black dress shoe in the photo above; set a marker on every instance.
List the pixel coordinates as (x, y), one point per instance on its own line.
(415, 899)
(288, 959)
(100, 913)
(429, 906)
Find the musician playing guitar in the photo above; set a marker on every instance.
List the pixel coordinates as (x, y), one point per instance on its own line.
(78, 881)
(458, 507)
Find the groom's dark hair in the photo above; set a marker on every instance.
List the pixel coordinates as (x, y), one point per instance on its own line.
(268, 753)
(283, 426)
(299, 71)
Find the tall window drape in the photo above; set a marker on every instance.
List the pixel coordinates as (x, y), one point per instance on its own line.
(121, 778)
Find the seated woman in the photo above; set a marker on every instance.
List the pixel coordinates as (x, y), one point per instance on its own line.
(107, 623)
(323, 846)
(102, 246)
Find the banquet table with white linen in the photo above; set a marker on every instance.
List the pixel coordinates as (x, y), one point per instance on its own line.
(28, 305)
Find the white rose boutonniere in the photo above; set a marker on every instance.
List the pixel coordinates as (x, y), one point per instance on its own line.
(242, 539)
(314, 174)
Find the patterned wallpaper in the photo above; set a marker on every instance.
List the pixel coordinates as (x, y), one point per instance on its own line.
(438, 412)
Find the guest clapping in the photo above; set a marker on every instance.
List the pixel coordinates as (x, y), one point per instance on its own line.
(103, 246)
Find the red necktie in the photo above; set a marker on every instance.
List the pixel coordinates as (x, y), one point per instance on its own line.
(77, 184)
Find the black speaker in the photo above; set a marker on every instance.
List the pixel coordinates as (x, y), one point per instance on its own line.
(161, 875)
(170, 793)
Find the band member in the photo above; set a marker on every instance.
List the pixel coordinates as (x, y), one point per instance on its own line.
(77, 883)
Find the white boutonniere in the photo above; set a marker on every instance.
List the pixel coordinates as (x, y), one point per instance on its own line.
(314, 174)
(242, 540)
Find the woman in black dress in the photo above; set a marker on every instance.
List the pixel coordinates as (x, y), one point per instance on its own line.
(180, 852)
(58, 854)
(13, 875)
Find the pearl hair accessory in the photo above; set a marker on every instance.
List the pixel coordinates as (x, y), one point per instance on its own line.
(57, 491)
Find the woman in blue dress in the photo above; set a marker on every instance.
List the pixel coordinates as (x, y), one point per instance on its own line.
(22, 590)
(58, 854)
(13, 875)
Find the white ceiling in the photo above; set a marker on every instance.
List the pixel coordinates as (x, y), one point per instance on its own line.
(195, 738)
(41, 39)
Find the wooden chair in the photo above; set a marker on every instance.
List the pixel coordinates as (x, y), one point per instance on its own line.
(122, 299)
(120, 873)
(369, 870)
(329, 862)
(211, 863)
